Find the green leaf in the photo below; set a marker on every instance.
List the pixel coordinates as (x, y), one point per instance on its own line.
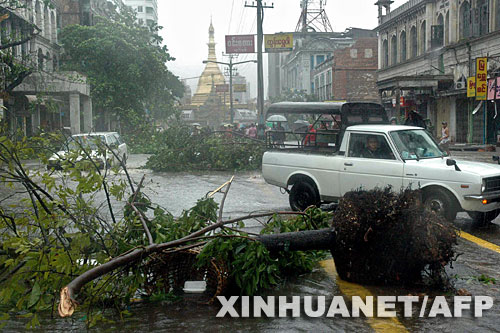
(35, 295)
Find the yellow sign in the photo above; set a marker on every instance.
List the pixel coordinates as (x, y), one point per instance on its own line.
(239, 87)
(481, 78)
(278, 42)
(471, 86)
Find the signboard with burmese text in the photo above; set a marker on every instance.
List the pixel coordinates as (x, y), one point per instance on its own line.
(278, 42)
(471, 87)
(240, 44)
(481, 78)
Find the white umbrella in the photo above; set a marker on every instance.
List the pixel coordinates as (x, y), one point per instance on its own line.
(301, 122)
(196, 124)
(298, 124)
(276, 118)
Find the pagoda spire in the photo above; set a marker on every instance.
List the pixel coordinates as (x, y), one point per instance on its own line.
(211, 42)
(211, 75)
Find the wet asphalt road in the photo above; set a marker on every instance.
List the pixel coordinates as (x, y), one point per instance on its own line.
(250, 193)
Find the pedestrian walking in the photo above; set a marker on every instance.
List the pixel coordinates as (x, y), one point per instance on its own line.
(444, 142)
(252, 131)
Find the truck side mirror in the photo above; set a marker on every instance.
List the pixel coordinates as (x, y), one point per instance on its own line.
(450, 162)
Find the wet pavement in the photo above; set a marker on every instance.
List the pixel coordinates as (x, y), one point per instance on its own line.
(250, 193)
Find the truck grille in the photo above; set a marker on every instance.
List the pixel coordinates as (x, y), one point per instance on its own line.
(492, 184)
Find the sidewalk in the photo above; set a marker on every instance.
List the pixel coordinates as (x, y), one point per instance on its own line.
(475, 155)
(472, 147)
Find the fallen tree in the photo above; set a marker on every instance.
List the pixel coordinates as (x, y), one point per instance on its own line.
(57, 239)
(375, 237)
(279, 242)
(178, 149)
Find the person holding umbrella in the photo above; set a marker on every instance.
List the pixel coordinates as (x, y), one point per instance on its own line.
(277, 131)
(279, 134)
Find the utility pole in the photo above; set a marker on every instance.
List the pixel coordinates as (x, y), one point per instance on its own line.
(260, 65)
(230, 64)
(231, 88)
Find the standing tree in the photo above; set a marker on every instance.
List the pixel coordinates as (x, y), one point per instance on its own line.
(126, 67)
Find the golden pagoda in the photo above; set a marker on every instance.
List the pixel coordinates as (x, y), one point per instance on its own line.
(211, 75)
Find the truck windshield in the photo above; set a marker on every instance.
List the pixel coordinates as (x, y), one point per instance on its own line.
(416, 144)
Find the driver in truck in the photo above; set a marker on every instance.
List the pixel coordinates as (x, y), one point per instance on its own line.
(373, 149)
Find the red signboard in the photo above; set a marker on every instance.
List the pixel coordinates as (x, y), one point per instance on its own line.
(240, 44)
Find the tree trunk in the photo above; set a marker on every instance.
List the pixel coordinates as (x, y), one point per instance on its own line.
(322, 239)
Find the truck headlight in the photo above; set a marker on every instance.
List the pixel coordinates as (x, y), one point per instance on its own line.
(483, 186)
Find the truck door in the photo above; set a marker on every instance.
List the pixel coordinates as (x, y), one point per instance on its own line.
(370, 162)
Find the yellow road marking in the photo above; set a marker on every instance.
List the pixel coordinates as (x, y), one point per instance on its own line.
(480, 242)
(353, 289)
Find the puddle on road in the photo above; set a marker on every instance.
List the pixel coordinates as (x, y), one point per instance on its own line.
(189, 316)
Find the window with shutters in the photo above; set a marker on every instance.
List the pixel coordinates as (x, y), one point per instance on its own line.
(402, 43)
(482, 7)
(423, 38)
(394, 50)
(497, 15)
(413, 42)
(437, 33)
(447, 29)
(465, 20)
(385, 51)
(437, 36)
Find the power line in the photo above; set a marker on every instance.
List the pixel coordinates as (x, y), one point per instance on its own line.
(242, 18)
(230, 18)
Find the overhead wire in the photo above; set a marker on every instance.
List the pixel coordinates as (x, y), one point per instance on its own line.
(242, 16)
(230, 18)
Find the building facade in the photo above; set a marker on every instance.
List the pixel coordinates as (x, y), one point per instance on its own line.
(350, 74)
(147, 10)
(47, 98)
(294, 70)
(428, 49)
(354, 76)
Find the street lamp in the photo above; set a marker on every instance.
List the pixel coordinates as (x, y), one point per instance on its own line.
(230, 64)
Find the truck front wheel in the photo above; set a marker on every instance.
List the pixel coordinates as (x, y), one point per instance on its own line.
(440, 202)
(480, 219)
(303, 195)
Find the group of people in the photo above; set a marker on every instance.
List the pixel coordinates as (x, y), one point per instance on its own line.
(249, 131)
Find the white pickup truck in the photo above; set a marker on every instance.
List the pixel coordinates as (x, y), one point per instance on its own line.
(372, 155)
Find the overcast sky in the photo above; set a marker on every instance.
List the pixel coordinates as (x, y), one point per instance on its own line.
(186, 25)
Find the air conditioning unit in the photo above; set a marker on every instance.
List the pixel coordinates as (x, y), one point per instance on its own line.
(459, 85)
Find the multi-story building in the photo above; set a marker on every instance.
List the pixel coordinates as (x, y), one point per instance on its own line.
(350, 74)
(83, 12)
(49, 98)
(294, 70)
(428, 49)
(147, 10)
(46, 98)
